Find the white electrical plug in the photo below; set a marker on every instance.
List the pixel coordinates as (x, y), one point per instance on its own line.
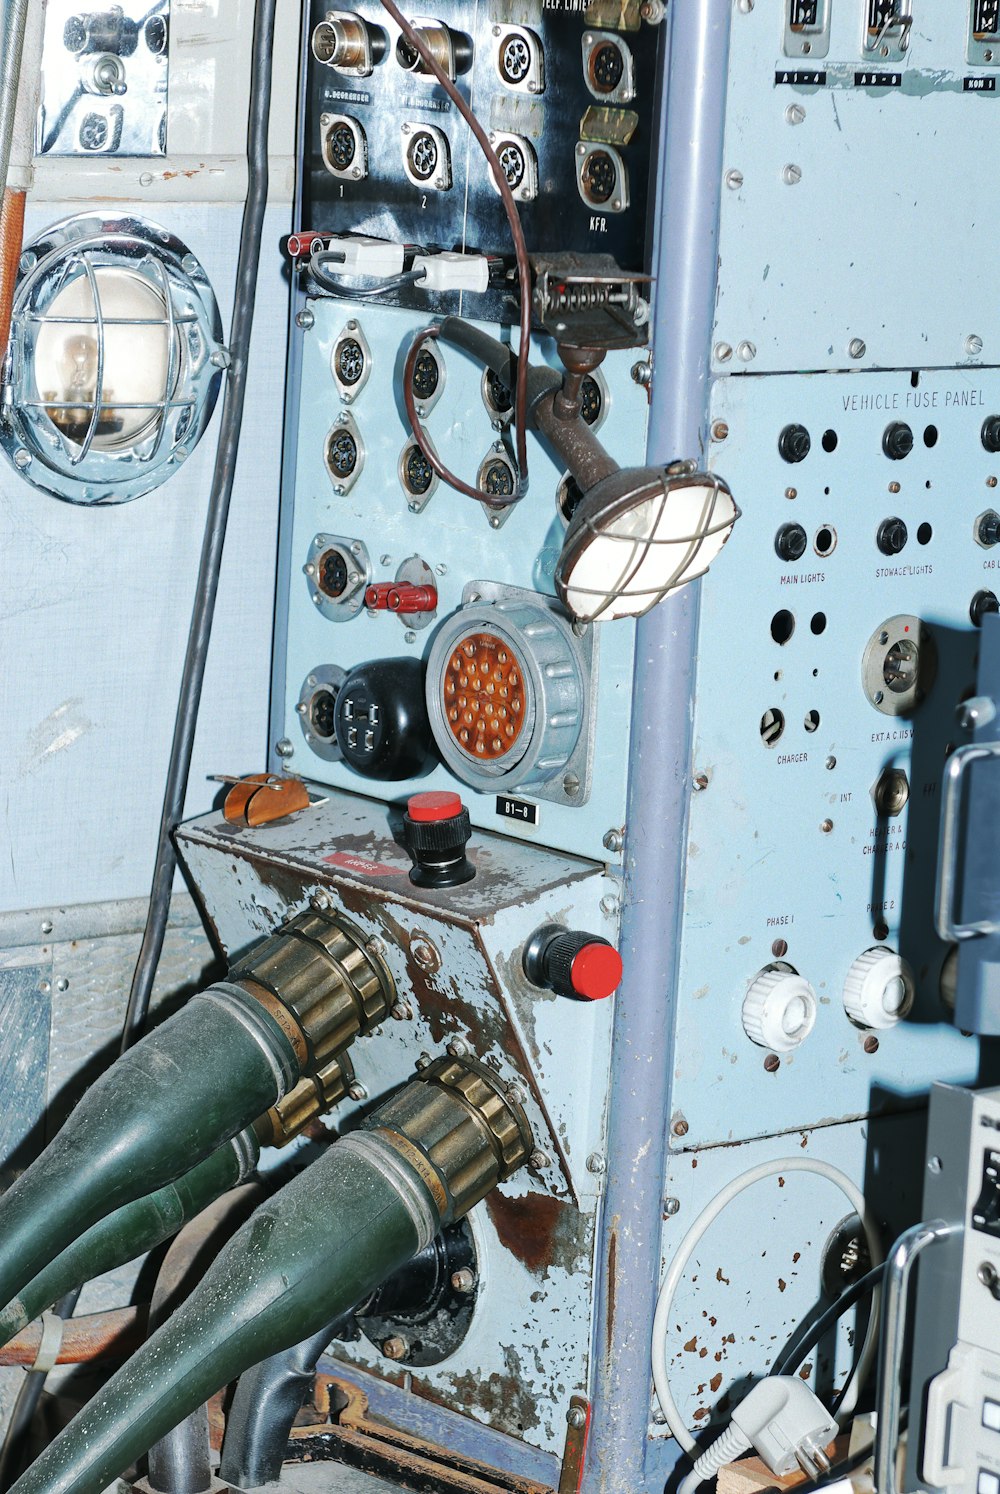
(787, 1424)
(452, 272)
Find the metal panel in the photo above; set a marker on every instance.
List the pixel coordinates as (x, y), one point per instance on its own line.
(452, 534)
(837, 192)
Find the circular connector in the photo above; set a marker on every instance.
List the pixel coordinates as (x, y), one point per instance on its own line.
(505, 693)
(790, 542)
(879, 990)
(892, 536)
(416, 475)
(779, 1009)
(497, 478)
(332, 572)
(341, 455)
(899, 665)
(990, 433)
(897, 440)
(601, 177)
(317, 710)
(349, 361)
(982, 604)
(344, 147)
(794, 443)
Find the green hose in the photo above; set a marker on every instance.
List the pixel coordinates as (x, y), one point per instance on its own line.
(132, 1230)
(159, 1110)
(310, 1253)
(317, 1247)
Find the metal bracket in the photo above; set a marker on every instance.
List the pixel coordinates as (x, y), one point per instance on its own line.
(946, 920)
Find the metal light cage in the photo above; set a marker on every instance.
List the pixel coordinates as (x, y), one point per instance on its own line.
(628, 515)
(98, 447)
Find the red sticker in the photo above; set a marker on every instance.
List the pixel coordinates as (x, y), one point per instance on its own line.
(363, 868)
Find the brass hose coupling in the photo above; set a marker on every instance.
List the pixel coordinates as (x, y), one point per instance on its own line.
(322, 983)
(314, 1095)
(460, 1128)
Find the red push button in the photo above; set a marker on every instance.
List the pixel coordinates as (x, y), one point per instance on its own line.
(596, 972)
(430, 807)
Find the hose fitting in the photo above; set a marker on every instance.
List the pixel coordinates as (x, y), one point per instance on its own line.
(321, 982)
(312, 1096)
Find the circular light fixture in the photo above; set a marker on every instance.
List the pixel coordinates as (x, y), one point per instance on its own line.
(637, 535)
(115, 361)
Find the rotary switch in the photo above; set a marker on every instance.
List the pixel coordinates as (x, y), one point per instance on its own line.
(879, 989)
(572, 963)
(436, 830)
(779, 1009)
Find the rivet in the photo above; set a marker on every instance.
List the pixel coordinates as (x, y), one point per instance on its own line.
(62, 984)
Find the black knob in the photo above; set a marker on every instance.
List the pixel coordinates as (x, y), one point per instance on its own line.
(794, 443)
(988, 528)
(572, 963)
(436, 830)
(982, 603)
(891, 536)
(897, 440)
(790, 542)
(990, 433)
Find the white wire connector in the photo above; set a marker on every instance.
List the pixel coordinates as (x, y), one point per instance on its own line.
(453, 272)
(359, 255)
(787, 1424)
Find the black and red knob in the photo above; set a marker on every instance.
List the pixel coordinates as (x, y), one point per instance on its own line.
(436, 829)
(572, 963)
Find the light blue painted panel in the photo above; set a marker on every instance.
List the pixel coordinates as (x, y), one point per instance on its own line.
(453, 535)
(894, 193)
(94, 610)
(784, 843)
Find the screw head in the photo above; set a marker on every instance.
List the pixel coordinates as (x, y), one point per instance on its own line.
(680, 1126)
(458, 1048)
(596, 1163)
(576, 1417)
(62, 984)
(791, 175)
(734, 180)
(856, 348)
(747, 352)
(304, 319)
(539, 1160)
(357, 1091)
(401, 1011)
(795, 114)
(613, 840)
(671, 1206)
(463, 1280)
(723, 352)
(46, 925)
(284, 748)
(395, 1348)
(973, 345)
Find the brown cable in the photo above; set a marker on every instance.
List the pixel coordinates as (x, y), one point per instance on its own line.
(419, 434)
(520, 254)
(101, 1335)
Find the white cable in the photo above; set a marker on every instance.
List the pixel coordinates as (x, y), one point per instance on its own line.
(687, 1246)
(50, 1342)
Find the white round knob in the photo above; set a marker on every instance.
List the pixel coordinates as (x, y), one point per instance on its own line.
(879, 988)
(779, 1009)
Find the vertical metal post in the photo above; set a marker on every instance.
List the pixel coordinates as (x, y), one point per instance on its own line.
(628, 1264)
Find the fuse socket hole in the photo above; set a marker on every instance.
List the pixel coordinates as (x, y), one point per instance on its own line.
(826, 541)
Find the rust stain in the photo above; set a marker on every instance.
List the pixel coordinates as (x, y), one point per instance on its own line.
(612, 1280)
(719, 1277)
(796, 1257)
(506, 1400)
(691, 1345)
(532, 1228)
(715, 1382)
(782, 1284)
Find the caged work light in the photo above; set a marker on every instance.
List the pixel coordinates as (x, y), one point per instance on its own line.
(638, 534)
(115, 360)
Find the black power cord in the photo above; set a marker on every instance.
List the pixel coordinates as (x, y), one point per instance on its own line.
(216, 520)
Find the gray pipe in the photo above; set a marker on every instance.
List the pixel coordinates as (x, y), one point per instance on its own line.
(659, 779)
(12, 43)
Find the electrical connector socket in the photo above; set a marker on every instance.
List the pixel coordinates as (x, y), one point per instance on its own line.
(453, 272)
(364, 256)
(787, 1424)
